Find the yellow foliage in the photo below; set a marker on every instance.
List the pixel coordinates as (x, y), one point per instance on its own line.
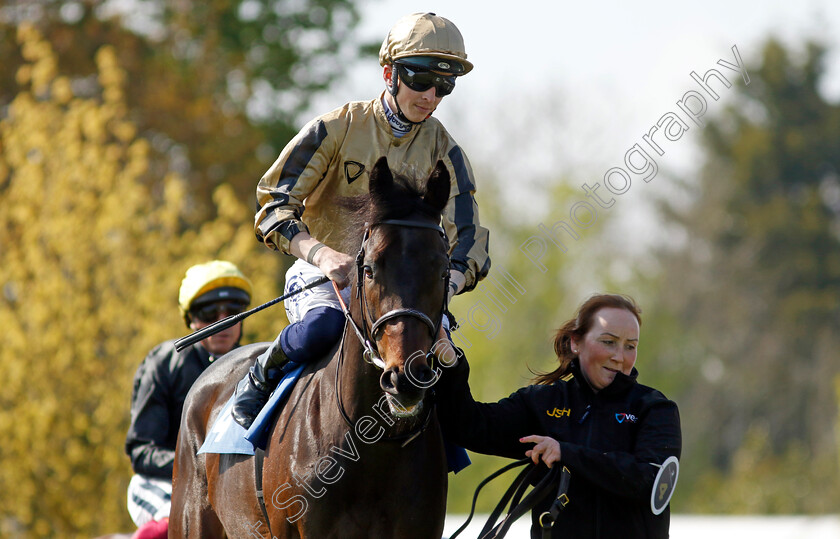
(837, 422)
(92, 255)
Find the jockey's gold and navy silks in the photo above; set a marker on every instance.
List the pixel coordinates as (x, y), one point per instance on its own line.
(332, 157)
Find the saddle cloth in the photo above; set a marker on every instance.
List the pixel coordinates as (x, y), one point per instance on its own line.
(226, 436)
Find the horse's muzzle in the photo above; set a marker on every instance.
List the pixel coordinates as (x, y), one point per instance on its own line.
(406, 390)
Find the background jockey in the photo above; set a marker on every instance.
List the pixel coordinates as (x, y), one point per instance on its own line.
(209, 292)
(331, 158)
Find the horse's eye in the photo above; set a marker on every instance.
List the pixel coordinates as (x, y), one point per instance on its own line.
(368, 271)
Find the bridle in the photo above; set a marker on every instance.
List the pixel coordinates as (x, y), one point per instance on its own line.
(367, 336)
(367, 333)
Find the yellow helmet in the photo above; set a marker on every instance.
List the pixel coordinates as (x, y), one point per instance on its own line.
(428, 41)
(212, 281)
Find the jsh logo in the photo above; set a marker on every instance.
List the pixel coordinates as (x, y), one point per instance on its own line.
(557, 412)
(621, 418)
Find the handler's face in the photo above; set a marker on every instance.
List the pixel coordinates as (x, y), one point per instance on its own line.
(609, 347)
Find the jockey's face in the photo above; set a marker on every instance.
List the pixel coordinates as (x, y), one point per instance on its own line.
(416, 106)
(222, 342)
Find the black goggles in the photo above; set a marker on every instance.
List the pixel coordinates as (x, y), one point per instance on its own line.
(421, 80)
(215, 311)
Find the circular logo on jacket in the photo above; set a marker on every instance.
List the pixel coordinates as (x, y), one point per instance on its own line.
(664, 484)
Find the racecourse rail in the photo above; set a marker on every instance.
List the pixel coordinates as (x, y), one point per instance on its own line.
(698, 526)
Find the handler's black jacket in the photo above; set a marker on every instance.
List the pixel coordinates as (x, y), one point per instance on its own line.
(160, 388)
(608, 440)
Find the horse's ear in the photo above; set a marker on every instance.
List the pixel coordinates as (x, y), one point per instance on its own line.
(438, 187)
(381, 180)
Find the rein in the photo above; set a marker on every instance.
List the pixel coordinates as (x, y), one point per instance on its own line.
(367, 337)
(557, 475)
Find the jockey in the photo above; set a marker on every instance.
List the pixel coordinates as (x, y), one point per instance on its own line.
(209, 292)
(299, 199)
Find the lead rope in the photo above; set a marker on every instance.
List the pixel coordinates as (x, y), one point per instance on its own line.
(514, 495)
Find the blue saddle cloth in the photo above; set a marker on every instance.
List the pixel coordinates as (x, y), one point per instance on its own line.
(226, 436)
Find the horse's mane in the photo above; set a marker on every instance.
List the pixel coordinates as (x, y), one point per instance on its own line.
(400, 201)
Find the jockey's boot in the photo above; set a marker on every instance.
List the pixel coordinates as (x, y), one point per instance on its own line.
(253, 391)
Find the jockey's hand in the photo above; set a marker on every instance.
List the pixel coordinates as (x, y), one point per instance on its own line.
(546, 447)
(335, 265)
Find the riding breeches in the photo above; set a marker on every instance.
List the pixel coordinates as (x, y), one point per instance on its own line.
(315, 317)
(298, 276)
(148, 498)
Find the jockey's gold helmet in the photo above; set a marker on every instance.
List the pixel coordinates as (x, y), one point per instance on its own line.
(428, 41)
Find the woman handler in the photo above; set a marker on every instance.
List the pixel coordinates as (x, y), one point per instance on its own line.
(590, 415)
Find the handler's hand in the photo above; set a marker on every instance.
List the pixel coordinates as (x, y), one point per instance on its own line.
(547, 447)
(444, 350)
(335, 265)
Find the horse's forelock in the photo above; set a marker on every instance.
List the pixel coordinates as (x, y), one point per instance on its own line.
(402, 200)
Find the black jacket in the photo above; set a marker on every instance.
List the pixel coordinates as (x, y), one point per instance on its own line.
(608, 440)
(160, 388)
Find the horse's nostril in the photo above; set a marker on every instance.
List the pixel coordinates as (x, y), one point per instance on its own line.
(426, 374)
(388, 381)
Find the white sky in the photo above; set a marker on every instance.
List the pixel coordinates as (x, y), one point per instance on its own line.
(630, 59)
(566, 88)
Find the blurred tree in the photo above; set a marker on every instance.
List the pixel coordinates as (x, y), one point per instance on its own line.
(507, 323)
(837, 420)
(747, 307)
(761, 481)
(215, 87)
(91, 261)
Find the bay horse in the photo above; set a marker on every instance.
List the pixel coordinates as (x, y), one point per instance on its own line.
(356, 450)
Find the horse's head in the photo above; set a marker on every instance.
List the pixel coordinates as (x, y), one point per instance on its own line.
(403, 272)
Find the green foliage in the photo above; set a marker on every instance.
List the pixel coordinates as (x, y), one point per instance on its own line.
(746, 309)
(215, 87)
(92, 258)
(761, 481)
